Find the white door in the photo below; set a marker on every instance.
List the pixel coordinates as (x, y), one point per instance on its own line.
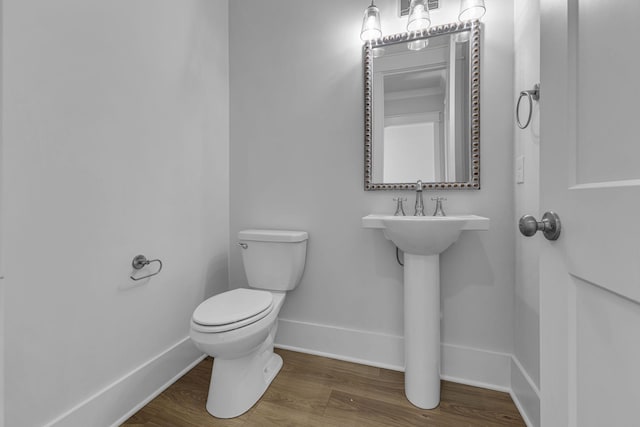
(590, 176)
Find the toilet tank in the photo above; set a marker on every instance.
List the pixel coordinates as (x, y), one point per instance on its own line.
(273, 259)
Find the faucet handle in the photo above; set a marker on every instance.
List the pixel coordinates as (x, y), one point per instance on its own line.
(439, 211)
(399, 207)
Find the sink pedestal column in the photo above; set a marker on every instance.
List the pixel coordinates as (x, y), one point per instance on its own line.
(422, 330)
(422, 239)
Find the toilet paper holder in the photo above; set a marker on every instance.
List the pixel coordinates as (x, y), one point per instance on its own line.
(140, 261)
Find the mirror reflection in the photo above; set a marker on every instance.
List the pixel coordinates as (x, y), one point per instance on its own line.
(420, 116)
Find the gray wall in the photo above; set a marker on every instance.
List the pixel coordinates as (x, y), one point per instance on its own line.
(115, 143)
(297, 162)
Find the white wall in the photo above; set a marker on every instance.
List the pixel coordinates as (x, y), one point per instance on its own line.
(2, 305)
(527, 145)
(297, 162)
(115, 143)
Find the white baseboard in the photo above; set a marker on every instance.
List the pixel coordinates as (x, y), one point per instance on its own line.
(367, 348)
(476, 367)
(525, 394)
(460, 364)
(134, 390)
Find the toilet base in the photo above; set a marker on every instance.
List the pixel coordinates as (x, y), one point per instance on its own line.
(237, 384)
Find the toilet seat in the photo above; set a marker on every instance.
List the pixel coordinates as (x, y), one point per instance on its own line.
(232, 310)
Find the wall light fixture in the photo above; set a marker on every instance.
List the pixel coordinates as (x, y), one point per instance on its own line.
(371, 29)
(419, 18)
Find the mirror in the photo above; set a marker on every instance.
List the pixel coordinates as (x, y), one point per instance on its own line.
(422, 109)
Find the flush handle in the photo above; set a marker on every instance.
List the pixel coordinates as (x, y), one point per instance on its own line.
(550, 225)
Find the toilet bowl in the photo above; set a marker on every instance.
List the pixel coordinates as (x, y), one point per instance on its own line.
(238, 327)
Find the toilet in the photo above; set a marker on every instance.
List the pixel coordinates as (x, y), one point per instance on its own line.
(238, 327)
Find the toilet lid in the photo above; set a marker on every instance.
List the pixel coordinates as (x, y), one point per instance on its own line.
(232, 307)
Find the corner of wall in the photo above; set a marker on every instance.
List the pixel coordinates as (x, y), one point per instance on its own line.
(525, 394)
(525, 362)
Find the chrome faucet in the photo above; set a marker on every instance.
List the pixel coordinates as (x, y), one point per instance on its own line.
(419, 204)
(439, 211)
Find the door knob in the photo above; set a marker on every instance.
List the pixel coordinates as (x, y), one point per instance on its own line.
(550, 225)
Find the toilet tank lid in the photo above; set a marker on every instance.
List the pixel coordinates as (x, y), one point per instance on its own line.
(289, 236)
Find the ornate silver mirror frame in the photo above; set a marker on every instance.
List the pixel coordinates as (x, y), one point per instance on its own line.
(474, 98)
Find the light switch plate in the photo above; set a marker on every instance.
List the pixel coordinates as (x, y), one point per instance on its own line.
(520, 170)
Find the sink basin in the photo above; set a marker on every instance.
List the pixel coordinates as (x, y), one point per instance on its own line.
(424, 235)
(422, 239)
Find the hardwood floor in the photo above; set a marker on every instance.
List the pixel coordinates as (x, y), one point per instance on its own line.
(317, 391)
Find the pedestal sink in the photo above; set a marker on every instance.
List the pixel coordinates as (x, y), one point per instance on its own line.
(423, 239)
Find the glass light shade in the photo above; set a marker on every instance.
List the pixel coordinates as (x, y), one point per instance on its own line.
(418, 44)
(419, 18)
(471, 10)
(371, 24)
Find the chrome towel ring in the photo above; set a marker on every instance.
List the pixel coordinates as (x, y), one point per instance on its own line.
(532, 95)
(140, 261)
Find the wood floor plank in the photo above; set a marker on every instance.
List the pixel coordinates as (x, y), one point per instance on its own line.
(489, 407)
(298, 394)
(371, 411)
(316, 391)
(271, 414)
